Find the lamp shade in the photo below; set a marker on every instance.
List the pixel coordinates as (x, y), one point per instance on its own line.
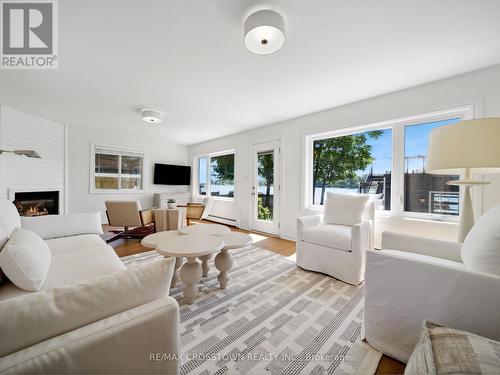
(473, 144)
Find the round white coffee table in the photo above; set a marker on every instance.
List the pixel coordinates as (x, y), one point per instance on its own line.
(190, 247)
(223, 260)
(154, 239)
(205, 229)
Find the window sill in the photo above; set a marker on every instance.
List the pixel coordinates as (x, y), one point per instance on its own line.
(387, 216)
(222, 199)
(117, 192)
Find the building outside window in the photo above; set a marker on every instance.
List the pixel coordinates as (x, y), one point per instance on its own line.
(116, 170)
(387, 161)
(424, 192)
(216, 175)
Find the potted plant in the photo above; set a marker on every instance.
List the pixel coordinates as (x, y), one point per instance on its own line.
(171, 203)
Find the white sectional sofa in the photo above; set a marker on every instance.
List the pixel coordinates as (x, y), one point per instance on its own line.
(92, 314)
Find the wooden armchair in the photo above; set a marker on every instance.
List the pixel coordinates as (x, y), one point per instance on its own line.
(194, 211)
(128, 214)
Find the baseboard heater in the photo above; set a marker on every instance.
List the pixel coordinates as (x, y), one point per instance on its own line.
(222, 220)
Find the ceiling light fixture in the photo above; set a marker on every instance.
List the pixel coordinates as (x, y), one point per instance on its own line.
(151, 116)
(264, 32)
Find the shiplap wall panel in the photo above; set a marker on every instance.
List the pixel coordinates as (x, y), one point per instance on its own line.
(19, 130)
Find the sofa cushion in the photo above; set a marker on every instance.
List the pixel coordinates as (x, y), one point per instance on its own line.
(9, 220)
(36, 317)
(65, 245)
(25, 259)
(481, 248)
(77, 266)
(344, 209)
(328, 235)
(55, 226)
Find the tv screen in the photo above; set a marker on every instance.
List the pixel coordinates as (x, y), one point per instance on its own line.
(168, 174)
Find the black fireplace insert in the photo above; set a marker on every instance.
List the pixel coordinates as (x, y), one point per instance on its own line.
(37, 203)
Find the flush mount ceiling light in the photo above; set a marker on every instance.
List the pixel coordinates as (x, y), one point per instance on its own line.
(264, 32)
(151, 116)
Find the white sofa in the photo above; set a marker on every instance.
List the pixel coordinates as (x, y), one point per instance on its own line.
(92, 314)
(415, 278)
(336, 250)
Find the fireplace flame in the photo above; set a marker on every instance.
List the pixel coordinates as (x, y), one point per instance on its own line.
(35, 211)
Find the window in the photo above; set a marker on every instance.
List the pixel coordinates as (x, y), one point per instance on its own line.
(202, 176)
(355, 163)
(387, 161)
(116, 170)
(424, 192)
(216, 175)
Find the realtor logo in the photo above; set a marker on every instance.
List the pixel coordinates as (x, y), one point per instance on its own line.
(29, 34)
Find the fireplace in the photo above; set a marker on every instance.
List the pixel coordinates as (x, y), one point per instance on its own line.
(37, 203)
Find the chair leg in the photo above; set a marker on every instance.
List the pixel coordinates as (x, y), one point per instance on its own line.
(116, 237)
(122, 234)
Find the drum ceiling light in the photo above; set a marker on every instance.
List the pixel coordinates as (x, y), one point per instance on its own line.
(264, 32)
(151, 116)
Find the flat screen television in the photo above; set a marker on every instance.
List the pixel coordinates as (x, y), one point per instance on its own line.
(168, 174)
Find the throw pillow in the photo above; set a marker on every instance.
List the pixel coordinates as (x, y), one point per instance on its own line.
(443, 350)
(344, 209)
(25, 260)
(481, 248)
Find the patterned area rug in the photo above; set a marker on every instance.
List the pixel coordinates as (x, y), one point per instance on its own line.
(274, 318)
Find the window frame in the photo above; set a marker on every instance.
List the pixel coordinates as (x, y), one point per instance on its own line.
(120, 151)
(195, 177)
(398, 126)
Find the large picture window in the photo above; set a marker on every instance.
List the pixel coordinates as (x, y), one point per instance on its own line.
(387, 161)
(116, 170)
(425, 192)
(355, 163)
(216, 175)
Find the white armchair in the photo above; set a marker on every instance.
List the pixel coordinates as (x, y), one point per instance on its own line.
(336, 250)
(416, 278)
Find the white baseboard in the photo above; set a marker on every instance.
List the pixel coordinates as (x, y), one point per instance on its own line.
(289, 237)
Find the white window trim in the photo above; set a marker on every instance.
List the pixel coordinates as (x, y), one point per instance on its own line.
(397, 125)
(119, 151)
(195, 176)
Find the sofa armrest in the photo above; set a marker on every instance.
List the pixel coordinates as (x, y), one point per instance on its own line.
(421, 245)
(304, 222)
(55, 226)
(362, 238)
(144, 339)
(403, 289)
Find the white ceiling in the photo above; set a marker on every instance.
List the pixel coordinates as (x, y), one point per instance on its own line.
(187, 59)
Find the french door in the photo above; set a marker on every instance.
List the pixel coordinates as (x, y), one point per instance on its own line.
(266, 187)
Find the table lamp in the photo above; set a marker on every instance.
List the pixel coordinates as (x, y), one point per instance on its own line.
(465, 148)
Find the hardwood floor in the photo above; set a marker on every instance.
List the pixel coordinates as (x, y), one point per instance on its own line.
(124, 247)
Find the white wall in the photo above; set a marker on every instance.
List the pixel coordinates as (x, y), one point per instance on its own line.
(481, 88)
(19, 130)
(155, 149)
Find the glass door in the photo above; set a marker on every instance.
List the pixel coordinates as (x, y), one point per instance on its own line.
(266, 188)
